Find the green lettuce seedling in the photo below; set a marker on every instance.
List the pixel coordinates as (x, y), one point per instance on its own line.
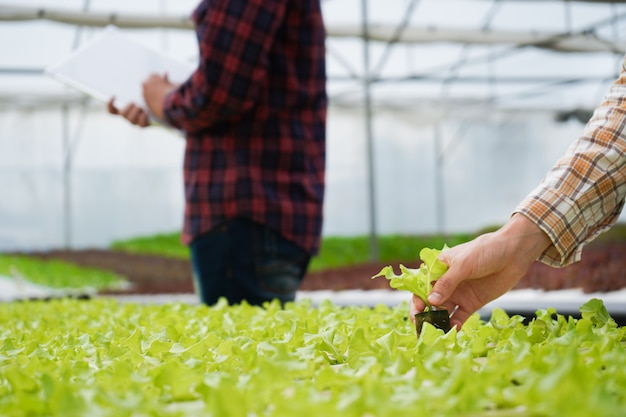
(417, 281)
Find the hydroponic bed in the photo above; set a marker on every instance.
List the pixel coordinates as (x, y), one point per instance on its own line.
(101, 358)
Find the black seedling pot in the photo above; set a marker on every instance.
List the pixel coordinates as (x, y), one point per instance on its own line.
(438, 318)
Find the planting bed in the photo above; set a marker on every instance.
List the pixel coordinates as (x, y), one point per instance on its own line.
(68, 357)
(74, 358)
(602, 269)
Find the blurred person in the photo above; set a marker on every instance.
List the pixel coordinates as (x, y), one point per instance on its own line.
(254, 117)
(579, 198)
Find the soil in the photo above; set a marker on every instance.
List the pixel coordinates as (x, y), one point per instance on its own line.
(602, 269)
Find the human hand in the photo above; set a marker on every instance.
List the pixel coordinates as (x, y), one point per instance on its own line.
(133, 113)
(155, 88)
(485, 268)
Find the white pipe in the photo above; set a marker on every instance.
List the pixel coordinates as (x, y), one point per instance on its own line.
(383, 33)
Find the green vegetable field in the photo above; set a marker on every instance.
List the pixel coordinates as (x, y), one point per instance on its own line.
(104, 358)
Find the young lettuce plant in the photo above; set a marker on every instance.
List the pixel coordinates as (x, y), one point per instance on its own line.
(419, 282)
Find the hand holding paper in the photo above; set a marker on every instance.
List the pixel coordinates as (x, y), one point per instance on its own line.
(154, 89)
(112, 65)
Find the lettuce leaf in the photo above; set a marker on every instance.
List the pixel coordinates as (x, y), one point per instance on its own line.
(417, 281)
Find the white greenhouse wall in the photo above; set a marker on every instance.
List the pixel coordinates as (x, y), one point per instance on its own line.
(127, 182)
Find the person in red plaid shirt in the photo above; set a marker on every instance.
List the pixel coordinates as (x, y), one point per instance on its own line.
(254, 117)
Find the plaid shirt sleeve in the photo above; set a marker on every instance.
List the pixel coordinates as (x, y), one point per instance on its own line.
(583, 194)
(234, 39)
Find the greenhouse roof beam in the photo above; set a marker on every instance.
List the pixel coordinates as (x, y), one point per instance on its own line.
(21, 71)
(582, 41)
(94, 19)
(586, 41)
(565, 1)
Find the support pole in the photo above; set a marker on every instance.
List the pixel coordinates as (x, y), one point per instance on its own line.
(67, 182)
(439, 191)
(367, 83)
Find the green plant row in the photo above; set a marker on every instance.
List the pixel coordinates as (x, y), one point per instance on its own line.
(334, 251)
(101, 358)
(57, 274)
(341, 251)
(163, 244)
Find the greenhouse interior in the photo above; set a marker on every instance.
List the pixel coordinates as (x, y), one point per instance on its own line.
(443, 115)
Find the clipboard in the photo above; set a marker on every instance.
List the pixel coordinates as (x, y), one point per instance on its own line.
(113, 65)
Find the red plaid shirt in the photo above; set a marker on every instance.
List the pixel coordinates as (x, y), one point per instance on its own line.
(254, 113)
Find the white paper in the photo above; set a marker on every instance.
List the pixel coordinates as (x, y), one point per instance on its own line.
(112, 65)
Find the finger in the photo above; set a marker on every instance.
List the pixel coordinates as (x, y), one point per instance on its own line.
(126, 110)
(138, 116)
(460, 317)
(143, 119)
(444, 287)
(111, 106)
(133, 114)
(415, 306)
(442, 290)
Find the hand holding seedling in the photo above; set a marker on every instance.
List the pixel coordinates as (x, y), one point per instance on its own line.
(485, 268)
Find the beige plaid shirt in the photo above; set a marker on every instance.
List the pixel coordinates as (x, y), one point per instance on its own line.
(583, 194)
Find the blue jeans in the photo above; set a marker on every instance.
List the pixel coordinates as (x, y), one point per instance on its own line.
(242, 260)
